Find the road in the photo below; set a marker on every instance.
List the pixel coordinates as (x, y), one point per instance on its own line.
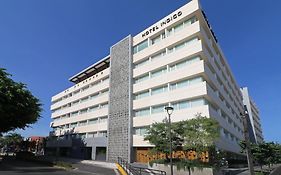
(14, 167)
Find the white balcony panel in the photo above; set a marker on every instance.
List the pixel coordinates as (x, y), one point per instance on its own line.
(180, 94)
(188, 51)
(83, 105)
(178, 115)
(82, 117)
(95, 78)
(190, 71)
(90, 91)
(185, 34)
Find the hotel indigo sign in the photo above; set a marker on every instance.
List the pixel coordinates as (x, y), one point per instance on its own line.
(162, 24)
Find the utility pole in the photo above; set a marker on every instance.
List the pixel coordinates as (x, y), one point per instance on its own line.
(245, 117)
(169, 110)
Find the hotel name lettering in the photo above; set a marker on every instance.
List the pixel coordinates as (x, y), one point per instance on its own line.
(162, 24)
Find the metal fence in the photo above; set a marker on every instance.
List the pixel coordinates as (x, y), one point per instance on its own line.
(134, 170)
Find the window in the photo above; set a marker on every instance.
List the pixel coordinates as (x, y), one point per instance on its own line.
(93, 108)
(142, 95)
(83, 123)
(72, 125)
(188, 104)
(104, 92)
(140, 46)
(159, 90)
(92, 134)
(83, 111)
(181, 105)
(94, 96)
(104, 105)
(197, 102)
(82, 136)
(74, 113)
(178, 27)
(158, 109)
(142, 63)
(102, 134)
(75, 102)
(142, 112)
(186, 83)
(85, 88)
(142, 78)
(93, 121)
(156, 39)
(84, 99)
(158, 72)
(103, 119)
(141, 131)
(158, 55)
(179, 46)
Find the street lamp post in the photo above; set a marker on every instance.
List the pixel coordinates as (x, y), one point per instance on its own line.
(169, 110)
(246, 135)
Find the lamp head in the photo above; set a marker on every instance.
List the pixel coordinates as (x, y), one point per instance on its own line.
(169, 109)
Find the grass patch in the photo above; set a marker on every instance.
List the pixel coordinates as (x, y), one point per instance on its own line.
(65, 165)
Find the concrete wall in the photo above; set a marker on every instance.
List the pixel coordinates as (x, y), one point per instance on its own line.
(120, 101)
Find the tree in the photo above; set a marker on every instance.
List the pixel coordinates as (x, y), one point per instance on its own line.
(200, 133)
(18, 107)
(157, 135)
(12, 141)
(197, 134)
(265, 153)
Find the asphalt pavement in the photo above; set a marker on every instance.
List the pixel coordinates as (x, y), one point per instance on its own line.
(15, 167)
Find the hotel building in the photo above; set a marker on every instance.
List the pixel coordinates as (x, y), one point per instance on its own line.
(177, 61)
(254, 120)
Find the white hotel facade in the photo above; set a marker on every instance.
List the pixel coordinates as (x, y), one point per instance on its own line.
(176, 61)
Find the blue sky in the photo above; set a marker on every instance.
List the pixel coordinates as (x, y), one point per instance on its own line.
(43, 43)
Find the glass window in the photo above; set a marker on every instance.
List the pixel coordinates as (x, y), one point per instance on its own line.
(103, 119)
(142, 45)
(184, 104)
(179, 46)
(142, 95)
(102, 134)
(158, 109)
(72, 125)
(156, 39)
(142, 63)
(135, 49)
(182, 84)
(93, 108)
(178, 27)
(93, 121)
(142, 78)
(195, 80)
(169, 32)
(104, 105)
(159, 90)
(197, 102)
(191, 41)
(84, 111)
(75, 102)
(159, 55)
(158, 72)
(74, 113)
(83, 123)
(143, 112)
(140, 131)
(84, 99)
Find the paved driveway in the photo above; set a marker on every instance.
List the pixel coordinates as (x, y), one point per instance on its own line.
(13, 167)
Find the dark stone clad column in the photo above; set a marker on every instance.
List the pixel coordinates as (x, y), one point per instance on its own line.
(120, 101)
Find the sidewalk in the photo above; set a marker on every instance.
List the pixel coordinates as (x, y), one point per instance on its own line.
(89, 162)
(264, 169)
